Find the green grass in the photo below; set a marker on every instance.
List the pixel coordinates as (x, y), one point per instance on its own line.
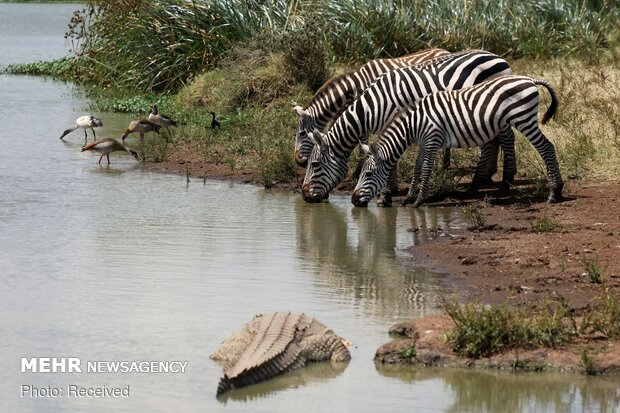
(587, 362)
(593, 270)
(545, 224)
(475, 216)
(482, 332)
(408, 353)
(63, 69)
(162, 45)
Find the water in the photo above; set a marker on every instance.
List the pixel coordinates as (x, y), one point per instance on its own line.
(115, 263)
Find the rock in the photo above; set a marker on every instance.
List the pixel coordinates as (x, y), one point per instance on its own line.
(400, 351)
(406, 328)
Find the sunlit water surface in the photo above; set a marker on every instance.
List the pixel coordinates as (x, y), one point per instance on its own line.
(115, 263)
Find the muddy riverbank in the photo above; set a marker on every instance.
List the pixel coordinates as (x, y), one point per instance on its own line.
(524, 252)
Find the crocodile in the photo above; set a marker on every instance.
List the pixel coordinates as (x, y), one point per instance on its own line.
(272, 344)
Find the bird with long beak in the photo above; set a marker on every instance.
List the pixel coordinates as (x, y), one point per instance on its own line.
(85, 122)
(140, 126)
(107, 146)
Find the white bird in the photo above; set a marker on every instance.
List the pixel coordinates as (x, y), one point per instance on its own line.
(108, 145)
(85, 122)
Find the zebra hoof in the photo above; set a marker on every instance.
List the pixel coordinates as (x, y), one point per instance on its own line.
(505, 188)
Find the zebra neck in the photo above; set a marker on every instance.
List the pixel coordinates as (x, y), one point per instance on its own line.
(397, 138)
(333, 98)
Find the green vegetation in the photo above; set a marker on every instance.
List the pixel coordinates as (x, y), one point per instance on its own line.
(408, 353)
(484, 331)
(587, 362)
(604, 318)
(545, 224)
(477, 220)
(63, 69)
(593, 270)
(249, 60)
(481, 332)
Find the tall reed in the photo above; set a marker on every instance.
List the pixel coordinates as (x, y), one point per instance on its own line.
(161, 45)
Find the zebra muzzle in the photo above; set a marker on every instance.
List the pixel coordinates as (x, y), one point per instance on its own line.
(358, 201)
(300, 160)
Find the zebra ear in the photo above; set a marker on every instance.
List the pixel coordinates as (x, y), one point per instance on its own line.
(319, 139)
(365, 148)
(301, 112)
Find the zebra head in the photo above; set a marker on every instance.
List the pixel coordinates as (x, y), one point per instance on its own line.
(303, 142)
(373, 177)
(325, 170)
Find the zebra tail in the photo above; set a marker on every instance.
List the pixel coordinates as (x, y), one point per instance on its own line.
(554, 100)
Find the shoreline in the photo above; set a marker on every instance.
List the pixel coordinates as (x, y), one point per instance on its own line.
(506, 262)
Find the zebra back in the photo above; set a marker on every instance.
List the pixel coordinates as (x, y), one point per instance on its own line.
(390, 93)
(467, 117)
(340, 91)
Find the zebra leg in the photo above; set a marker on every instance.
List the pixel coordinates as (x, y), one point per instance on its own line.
(506, 139)
(417, 171)
(385, 196)
(547, 152)
(430, 152)
(487, 165)
(445, 164)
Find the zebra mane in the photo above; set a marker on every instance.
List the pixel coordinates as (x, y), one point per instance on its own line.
(330, 84)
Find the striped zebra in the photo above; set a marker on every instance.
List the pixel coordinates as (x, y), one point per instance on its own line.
(339, 92)
(461, 118)
(390, 93)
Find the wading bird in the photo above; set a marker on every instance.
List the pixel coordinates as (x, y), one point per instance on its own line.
(140, 126)
(85, 122)
(108, 145)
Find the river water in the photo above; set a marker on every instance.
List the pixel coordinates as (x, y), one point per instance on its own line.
(119, 264)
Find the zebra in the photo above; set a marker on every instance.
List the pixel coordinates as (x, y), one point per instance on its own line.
(461, 118)
(391, 93)
(340, 91)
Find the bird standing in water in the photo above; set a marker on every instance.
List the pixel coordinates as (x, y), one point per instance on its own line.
(140, 126)
(108, 145)
(85, 122)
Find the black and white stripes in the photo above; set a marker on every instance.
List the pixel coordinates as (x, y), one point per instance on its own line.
(461, 118)
(338, 93)
(390, 93)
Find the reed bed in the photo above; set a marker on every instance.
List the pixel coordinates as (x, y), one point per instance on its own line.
(162, 45)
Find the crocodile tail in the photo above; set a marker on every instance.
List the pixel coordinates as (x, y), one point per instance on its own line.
(224, 385)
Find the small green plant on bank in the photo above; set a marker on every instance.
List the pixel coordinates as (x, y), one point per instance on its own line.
(593, 270)
(587, 362)
(604, 318)
(408, 353)
(475, 215)
(154, 148)
(545, 224)
(482, 332)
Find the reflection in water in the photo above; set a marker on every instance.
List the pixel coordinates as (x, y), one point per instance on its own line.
(492, 391)
(312, 373)
(357, 253)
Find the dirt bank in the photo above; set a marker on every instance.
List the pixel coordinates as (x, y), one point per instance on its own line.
(528, 252)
